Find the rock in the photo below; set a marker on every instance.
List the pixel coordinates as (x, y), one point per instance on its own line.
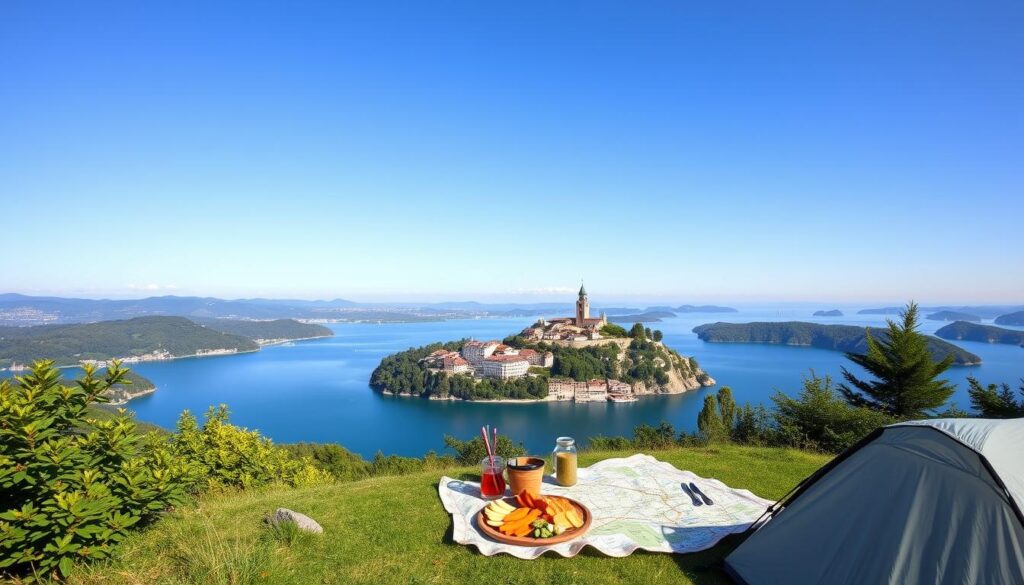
(305, 523)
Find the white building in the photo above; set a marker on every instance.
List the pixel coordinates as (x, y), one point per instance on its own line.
(456, 365)
(477, 351)
(503, 366)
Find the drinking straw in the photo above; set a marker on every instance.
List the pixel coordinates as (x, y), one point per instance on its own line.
(494, 443)
(490, 456)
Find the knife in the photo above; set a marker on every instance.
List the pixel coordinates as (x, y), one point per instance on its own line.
(696, 501)
(703, 496)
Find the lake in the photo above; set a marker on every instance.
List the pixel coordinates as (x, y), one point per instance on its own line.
(318, 390)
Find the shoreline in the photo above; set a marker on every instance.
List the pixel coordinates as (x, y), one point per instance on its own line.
(546, 399)
(219, 353)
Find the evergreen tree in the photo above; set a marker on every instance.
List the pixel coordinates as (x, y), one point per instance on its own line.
(727, 408)
(637, 332)
(906, 380)
(658, 336)
(709, 421)
(996, 401)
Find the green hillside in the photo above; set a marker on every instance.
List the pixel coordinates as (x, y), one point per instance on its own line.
(70, 344)
(984, 333)
(394, 530)
(848, 338)
(266, 330)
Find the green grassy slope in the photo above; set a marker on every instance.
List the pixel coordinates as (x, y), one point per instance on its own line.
(394, 530)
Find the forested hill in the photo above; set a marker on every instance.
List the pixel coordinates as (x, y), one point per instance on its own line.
(278, 329)
(985, 333)
(847, 338)
(70, 344)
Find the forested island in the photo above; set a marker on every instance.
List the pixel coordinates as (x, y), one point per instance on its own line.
(119, 394)
(142, 339)
(649, 316)
(953, 316)
(1013, 319)
(846, 338)
(832, 313)
(703, 309)
(264, 332)
(963, 330)
(631, 357)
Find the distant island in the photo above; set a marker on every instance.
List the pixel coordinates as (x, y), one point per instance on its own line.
(953, 316)
(645, 317)
(143, 339)
(846, 338)
(962, 330)
(983, 311)
(1013, 319)
(704, 309)
(580, 358)
(832, 313)
(120, 394)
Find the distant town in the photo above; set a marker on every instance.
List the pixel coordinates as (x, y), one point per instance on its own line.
(494, 359)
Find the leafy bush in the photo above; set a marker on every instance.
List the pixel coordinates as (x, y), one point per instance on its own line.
(224, 455)
(71, 487)
(471, 452)
(818, 418)
(754, 426)
(613, 330)
(341, 463)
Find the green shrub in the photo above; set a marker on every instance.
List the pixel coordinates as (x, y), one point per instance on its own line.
(818, 418)
(473, 451)
(224, 455)
(71, 487)
(341, 463)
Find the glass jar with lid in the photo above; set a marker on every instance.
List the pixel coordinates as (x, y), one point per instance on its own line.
(563, 460)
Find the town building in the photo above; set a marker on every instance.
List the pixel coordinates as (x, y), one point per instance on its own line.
(476, 352)
(457, 365)
(579, 327)
(502, 366)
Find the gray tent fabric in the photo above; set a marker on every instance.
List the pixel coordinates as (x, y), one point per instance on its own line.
(922, 502)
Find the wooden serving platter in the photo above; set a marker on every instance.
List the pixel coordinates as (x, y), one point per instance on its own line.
(494, 534)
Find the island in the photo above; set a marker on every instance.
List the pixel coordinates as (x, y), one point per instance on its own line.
(964, 331)
(143, 339)
(704, 309)
(1012, 319)
(847, 338)
(120, 394)
(645, 317)
(832, 313)
(579, 358)
(953, 316)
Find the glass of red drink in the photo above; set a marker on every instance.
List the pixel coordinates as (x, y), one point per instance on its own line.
(492, 478)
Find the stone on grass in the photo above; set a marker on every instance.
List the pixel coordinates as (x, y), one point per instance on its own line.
(305, 523)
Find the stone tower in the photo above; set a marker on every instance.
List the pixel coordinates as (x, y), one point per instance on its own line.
(582, 307)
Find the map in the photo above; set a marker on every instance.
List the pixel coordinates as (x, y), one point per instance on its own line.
(637, 503)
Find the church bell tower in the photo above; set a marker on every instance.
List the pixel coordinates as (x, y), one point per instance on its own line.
(582, 307)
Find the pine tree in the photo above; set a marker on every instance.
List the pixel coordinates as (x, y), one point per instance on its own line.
(709, 421)
(996, 400)
(906, 380)
(727, 407)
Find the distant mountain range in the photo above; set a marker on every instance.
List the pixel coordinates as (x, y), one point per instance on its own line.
(24, 310)
(953, 316)
(1014, 319)
(831, 313)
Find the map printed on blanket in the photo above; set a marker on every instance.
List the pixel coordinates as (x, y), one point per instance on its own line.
(637, 502)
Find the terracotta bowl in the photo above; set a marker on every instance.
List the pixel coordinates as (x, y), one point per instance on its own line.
(525, 473)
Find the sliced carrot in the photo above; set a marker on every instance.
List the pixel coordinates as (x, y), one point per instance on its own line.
(526, 520)
(523, 531)
(515, 514)
(527, 499)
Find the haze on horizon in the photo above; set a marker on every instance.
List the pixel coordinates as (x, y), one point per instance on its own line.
(695, 153)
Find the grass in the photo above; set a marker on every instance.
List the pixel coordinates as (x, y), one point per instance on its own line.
(394, 530)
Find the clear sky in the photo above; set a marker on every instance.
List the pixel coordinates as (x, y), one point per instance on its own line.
(695, 151)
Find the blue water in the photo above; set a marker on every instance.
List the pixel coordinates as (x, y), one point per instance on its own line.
(317, 390)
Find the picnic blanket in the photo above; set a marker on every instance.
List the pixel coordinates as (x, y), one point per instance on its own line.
(636, 502)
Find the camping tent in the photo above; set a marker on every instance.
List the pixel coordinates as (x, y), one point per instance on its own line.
(936, 501)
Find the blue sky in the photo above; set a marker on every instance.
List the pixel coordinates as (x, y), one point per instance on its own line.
(389, 151)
